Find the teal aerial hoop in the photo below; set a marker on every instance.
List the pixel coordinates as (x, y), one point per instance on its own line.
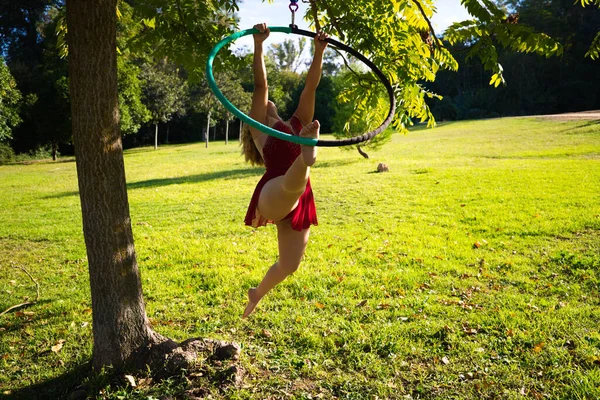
(282, 135)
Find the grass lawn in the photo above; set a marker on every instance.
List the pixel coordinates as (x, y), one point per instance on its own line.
(470, 270)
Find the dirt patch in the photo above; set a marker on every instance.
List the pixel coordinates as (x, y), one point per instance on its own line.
(593, 115)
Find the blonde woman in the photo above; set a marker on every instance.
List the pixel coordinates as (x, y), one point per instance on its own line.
(283, 196)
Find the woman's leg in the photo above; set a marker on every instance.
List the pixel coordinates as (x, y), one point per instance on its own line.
(291, 249)
(280, 195)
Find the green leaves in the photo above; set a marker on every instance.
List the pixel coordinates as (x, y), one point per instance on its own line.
(594, 51)
(491, 30)
(149, 22)
(497, 79)
(10, 102)
(61, 34)
(183, 30)
(585, 3)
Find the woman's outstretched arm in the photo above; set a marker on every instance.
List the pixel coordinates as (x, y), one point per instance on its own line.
(260, 96)
(306, 106)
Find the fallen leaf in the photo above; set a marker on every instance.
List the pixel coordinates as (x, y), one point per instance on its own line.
(266, 333)
(523, 392)
(362, 303)
(319, 305)
(12, 282)
(538, 347)
(445, 360)
(131, 380)
(56, 348)
(476, 245)
(383, 306)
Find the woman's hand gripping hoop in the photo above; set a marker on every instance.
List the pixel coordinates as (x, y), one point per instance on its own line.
(284, 136)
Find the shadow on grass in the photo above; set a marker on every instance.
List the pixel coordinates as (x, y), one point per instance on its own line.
(66, 160)
(225, 175)
(580, 125)
(351, 159)
(64, 386)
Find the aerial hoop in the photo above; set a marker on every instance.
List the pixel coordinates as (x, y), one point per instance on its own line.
(284, 136)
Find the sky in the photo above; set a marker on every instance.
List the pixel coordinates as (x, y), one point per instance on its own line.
(277, 14)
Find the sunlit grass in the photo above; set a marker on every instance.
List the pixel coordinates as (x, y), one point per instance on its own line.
(470, 270)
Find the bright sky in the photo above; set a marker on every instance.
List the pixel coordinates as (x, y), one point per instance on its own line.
(277, 14)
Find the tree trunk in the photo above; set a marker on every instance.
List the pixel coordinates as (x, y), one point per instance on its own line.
(167, 138)
(241, 126)
(156, 135)
(120, 325)
(226, 131)
(207, 130)
(54, 150)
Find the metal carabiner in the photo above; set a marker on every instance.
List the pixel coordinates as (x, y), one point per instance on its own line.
(293, 8)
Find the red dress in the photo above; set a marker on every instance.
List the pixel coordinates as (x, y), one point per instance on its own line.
(279, 155)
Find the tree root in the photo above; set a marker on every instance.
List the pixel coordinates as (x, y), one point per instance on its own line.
(215, 361)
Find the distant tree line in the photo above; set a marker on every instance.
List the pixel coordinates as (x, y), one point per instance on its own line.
(534, 84)
(162, 102)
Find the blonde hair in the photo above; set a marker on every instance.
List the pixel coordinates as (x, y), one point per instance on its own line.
(249, 149)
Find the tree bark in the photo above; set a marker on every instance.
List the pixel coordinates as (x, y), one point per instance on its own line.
(155, 135)
(240, 134)
(207, 130)
(226, 131)
(120, 325)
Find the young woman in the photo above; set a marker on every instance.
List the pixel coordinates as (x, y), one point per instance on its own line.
(283, 196)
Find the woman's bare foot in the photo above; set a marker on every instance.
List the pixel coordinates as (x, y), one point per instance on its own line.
(309, 153)
(253, 300)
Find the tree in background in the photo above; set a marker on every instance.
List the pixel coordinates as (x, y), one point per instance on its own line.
(28, 39)
(132, 110)
(164, 92)
(205, 102)
(232, 88)
(287, 56)
(10, 103)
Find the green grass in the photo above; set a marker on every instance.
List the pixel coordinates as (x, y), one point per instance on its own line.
(470, 270)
